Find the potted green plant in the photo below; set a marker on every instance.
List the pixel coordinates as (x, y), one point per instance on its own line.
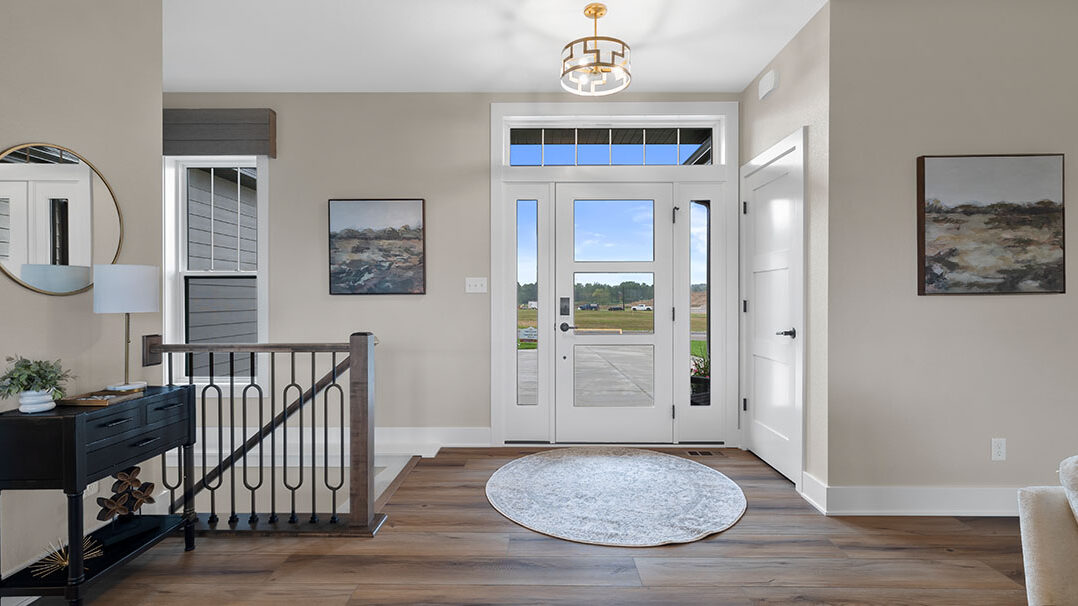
(700, 380)
(38, 383)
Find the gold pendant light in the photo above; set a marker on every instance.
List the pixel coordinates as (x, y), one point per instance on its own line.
(596, 65)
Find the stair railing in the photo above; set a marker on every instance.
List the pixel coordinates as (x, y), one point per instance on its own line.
(299, 445)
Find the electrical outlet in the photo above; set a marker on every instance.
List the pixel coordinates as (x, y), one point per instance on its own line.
(92, 489)
(999, 449)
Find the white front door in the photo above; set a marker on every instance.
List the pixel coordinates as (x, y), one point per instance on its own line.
(772, 232)
(613, 319)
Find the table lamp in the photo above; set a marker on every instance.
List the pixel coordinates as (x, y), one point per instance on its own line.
(126, 289)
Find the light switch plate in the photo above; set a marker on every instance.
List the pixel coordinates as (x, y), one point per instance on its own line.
(475, 285)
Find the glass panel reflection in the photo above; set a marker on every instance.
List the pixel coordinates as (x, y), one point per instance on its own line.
(527, 302)
(525, 146)
(614, 303)
(614, 230)
(627, 146)
(613, 375)
(700, 292)
(660, 146)
(593, 146)
(559, 147)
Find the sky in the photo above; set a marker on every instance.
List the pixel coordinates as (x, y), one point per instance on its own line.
(610, 230)
(375, 214)
(982, 181)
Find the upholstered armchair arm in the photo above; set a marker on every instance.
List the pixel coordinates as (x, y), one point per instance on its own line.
(1049, 546)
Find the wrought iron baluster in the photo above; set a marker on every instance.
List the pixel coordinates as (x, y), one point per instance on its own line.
(172, 487)
(220, 439)
(292, 519)
(246, 483)
(273, 437)
(333, 488)
(314, 443)
(232, 518)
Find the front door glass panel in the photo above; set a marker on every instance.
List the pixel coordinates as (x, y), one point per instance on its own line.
(614, 230)
(613, 375)
(614, 303)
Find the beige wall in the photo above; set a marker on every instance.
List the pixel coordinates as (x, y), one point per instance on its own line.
(801, 99)
(919, 385)
(433, 364)
(66, 83)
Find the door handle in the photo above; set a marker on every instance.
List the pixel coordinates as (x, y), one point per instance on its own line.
(566, 328)
(792, 333)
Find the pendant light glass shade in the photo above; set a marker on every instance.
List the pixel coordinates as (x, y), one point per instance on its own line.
(596, 65)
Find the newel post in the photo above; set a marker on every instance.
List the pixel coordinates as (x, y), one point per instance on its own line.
(362, 516)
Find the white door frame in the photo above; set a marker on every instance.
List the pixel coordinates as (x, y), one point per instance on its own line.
(716, 182)
(794, 144)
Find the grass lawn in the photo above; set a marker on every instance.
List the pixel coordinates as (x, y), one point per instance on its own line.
(698, 348)
(629, 321)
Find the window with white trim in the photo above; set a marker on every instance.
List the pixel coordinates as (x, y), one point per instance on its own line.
(215, 261)
(651, 146)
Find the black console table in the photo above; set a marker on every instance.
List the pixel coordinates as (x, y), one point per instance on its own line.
(69, 447)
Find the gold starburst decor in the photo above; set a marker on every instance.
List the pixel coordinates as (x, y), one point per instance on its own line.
(596, 65)
(58, 559)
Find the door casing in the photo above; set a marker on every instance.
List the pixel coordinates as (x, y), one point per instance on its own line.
(716, 182)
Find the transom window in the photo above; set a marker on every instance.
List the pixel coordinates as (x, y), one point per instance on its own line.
(609, 146)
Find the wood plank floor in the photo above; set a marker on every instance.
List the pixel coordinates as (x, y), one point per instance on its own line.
(444, 544)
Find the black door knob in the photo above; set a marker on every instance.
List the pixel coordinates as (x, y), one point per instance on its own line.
(566, 328)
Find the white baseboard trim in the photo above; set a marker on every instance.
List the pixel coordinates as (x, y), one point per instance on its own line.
(910, 500)
(426, 441)
(19, 601)
(814, 491)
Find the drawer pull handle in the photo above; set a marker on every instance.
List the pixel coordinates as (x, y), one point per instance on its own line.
(171, 406)
(117, 422)
(145, 442)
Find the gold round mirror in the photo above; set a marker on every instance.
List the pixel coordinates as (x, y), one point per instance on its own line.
(58, 217)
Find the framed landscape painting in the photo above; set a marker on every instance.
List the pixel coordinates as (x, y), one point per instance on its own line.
(990, 224)
(376, 247)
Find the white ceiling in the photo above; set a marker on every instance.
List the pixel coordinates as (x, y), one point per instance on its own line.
(464, 45)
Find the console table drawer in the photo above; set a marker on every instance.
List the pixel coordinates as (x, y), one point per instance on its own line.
(161, 411)
(109, 427)
(135, 448)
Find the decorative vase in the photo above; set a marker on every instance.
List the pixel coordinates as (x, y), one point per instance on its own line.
(36, 401)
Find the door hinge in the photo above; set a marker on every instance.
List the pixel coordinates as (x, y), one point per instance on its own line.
(744, 207)
(676, 208)
(745, 305)
(673, 314)
(745, 404)
(673, 411)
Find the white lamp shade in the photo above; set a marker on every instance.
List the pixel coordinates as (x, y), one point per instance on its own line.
(122, 289)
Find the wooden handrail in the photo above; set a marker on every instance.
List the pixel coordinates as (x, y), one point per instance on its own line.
(249, 347)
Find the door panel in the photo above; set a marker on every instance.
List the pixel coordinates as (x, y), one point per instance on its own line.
(773, 328)
(613, 252)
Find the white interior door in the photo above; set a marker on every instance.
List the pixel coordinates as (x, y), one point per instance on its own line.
(772, 234)
(613, 320)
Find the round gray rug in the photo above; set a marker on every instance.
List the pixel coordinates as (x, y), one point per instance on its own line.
(624, 497)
